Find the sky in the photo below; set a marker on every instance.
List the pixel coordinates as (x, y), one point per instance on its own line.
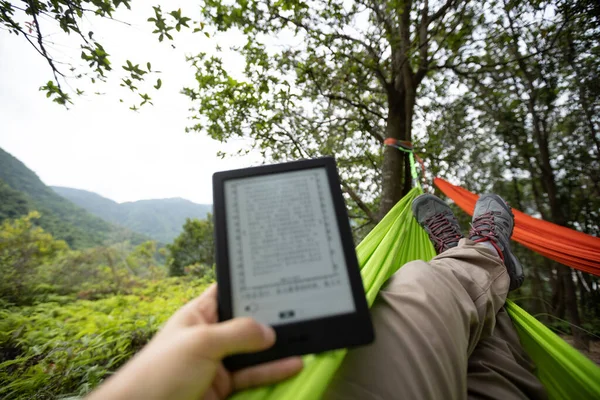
(98, 144)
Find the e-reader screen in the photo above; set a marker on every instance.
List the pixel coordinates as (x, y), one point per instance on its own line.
(285, 250)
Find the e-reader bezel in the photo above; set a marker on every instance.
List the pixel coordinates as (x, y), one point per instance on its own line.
(303, 337)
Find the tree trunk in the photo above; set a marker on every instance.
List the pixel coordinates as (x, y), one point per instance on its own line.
(564, 272)
(580, 82)
(594, 283)
(558, 217)
(583, 296)
(557, 302)
(538, 304)
(581, 339)
(393, 169)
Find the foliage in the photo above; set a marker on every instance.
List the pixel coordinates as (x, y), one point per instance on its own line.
(37, 21)
(24, 248)
(200, 270)
(33, 265)
(62, 348)
(100, 271)
(521, 120)
(160, 219)
(347, 78)
(195, 245)
(13, 204)
(67, 14)
(59, 217)
(344, 78)
(142, 261)
(68, 318)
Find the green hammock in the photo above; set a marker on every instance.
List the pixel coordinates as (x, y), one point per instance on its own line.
(396, 240)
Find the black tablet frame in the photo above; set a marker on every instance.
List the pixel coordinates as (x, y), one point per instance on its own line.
(303, 337)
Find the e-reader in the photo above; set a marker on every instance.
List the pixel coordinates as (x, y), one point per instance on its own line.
(285, 257)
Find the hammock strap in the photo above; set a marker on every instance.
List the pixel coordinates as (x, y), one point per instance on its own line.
(407, 147)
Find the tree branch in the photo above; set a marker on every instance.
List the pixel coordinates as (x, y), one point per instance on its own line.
(297, 145)
(423, 44)
(458, 21)
(334, 35)
(358, 228)
(346, 100)
(381, 17)
(359, 202)
(442, 11)
(375, 55)
(517, 59)
(378, 71)
(42, 48)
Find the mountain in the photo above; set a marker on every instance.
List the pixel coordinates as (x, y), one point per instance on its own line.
(161, 219)
(21, 191)
(13, 203)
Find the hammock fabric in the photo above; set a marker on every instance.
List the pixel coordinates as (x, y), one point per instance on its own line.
(568, 247)
(396, 240)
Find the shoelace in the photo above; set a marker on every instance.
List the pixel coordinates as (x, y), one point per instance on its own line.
(484, 226)
(442, 232)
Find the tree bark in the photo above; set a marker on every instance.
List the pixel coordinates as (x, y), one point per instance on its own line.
(538, 303)
(581, 339)
(393, 169)
(595, 295)
(558, 303)
(583, 295)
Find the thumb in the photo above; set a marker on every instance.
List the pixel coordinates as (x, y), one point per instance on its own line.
(238, 335)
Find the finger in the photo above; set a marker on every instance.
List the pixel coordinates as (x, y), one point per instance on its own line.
(268, 373)
(238, 335)
(201, 310)
(207, 297)
(222, 383)
(211, 394)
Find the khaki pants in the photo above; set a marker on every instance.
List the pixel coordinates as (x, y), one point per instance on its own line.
(441, 332)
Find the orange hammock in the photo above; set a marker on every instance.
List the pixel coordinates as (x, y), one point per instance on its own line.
(558, 243)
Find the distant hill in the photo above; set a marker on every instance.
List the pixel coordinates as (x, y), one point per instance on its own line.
(13, 203)
(161, 219)
(22, 191)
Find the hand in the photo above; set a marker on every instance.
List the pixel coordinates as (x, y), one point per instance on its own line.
(183, 360)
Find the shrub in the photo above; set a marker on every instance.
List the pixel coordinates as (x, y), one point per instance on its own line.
(61, 348)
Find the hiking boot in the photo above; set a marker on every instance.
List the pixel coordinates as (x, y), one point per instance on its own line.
(494, 221)
(438, 221)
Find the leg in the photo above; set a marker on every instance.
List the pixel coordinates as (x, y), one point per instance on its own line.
(428, 319)
(500, 369)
